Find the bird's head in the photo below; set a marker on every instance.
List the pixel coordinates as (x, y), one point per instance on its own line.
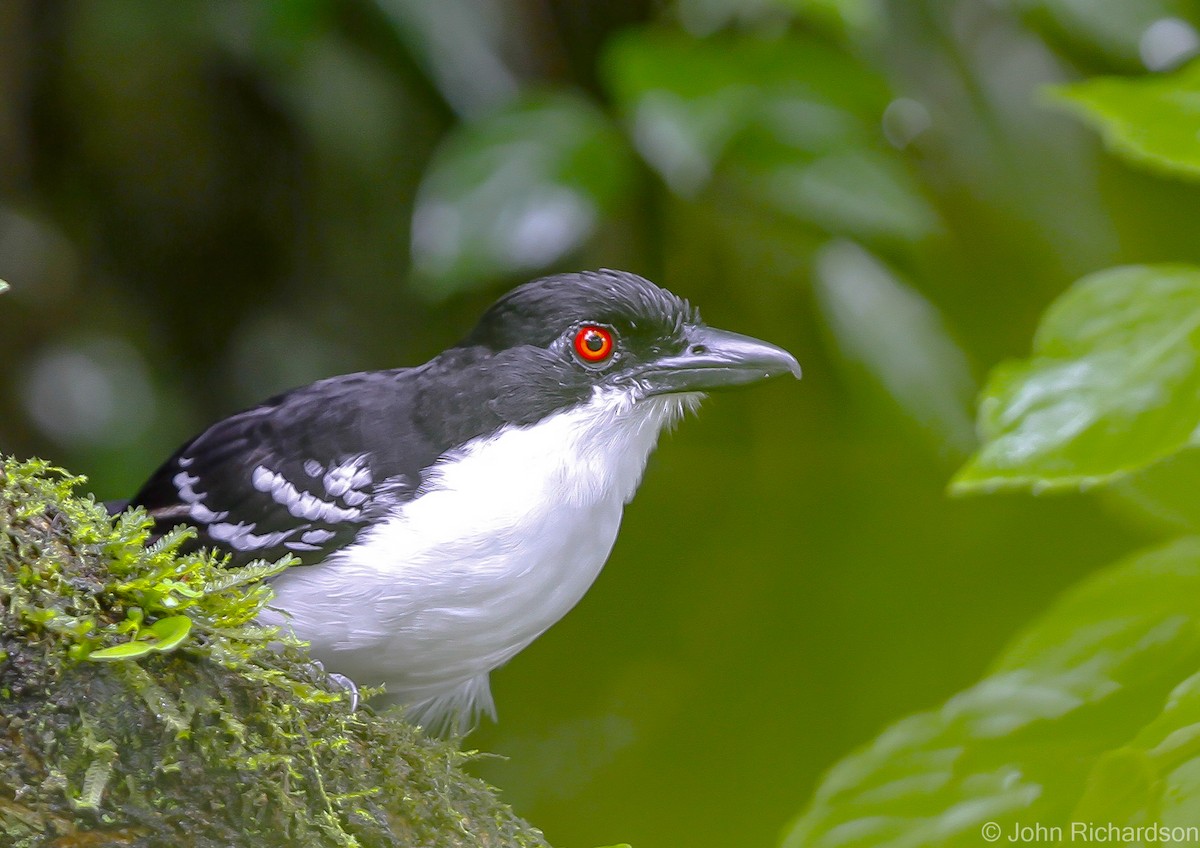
(562, 339)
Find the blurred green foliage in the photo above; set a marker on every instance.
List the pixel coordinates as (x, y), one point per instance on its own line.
(1113, 385)
(202, 203)
(515, 191)
(1091, 714)
(1153, 121)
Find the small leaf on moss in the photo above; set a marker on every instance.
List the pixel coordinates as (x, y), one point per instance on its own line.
(207, 733)
(170, 632)
(166, 635)
(124, 651)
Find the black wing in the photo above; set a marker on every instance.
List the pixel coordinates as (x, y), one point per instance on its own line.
(302, 473)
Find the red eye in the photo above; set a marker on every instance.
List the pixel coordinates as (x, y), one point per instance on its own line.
(593, 344)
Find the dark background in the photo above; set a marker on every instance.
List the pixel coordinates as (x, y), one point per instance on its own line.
(202, 203)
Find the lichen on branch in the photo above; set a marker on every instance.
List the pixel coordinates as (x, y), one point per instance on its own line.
(141, 705)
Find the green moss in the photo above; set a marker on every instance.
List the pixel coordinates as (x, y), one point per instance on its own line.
(141, 705)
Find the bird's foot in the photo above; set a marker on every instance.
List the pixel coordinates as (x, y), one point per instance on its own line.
(347, 684)
(342, 681)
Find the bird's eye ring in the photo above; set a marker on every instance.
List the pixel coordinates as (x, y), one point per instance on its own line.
(593, 344)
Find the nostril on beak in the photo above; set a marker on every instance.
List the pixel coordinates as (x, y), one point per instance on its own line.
(699, 349)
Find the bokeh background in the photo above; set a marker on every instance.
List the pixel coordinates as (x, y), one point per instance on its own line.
(202, 203)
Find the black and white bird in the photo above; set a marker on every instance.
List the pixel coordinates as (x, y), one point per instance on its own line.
(446, 515)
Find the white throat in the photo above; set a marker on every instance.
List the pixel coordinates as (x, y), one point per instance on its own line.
(506, 536)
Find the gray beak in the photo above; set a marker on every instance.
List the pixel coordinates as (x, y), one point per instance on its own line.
(715, 359)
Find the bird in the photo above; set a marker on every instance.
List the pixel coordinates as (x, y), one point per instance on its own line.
(446, 515)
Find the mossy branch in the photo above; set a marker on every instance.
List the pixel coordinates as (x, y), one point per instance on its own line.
(141, 705)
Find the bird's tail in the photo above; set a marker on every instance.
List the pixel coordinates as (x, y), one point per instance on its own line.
(116, 507)
(455, 713)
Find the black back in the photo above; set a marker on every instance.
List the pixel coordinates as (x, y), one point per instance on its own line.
(307, 470)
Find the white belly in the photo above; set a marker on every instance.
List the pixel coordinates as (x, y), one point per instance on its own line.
(422, 611)
(507, 537)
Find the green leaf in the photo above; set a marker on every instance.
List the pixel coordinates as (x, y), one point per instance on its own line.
(858, 192)
(181, 589)
(1116, 29)
(1162, 495)
(1152, 121)
(1092, 711)
(124, 651)
(1155, 777)
(170, 632)
(164, 635)
(461, 48)
(1113, 386)
(255, 572)
(688, 100)
(789, 121)
(860, 16)
(888, 328)
(516, 191)
(704, 17)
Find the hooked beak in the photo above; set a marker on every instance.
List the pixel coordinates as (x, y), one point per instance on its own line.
(715, 359)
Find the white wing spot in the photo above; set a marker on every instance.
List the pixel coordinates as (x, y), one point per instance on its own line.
(242, 536)
(351, 474)
(300, 504)
(183, 483)
(264, 479)
(316, 537)
(203, 514)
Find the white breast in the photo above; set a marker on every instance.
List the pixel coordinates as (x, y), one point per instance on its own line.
(508, 534)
